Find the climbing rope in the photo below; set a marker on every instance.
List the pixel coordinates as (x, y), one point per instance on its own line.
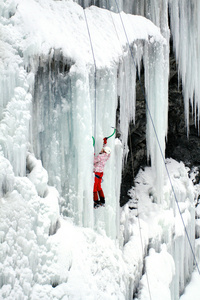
(95, 83)
(95, 78)
(130, 142)
(162, 155)
(139, 223)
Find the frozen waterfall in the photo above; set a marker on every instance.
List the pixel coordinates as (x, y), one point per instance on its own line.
(62, 86)
(51, 238)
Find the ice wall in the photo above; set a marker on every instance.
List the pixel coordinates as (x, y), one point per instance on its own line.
(69, 87)
(60, 78)
(61, 130)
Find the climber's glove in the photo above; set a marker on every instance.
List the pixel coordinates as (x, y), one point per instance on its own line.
(105, 141)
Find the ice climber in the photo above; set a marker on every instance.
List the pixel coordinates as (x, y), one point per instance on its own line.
(99, 164)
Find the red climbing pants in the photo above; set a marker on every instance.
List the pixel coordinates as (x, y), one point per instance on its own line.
(97, 186)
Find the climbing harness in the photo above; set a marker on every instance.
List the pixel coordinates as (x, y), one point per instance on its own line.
(97, 176)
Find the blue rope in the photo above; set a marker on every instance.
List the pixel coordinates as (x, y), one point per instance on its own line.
(163, 158)
(95, 78)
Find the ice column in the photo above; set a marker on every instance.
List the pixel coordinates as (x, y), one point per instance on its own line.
(106, 106)
(62, 135)
(156, 85)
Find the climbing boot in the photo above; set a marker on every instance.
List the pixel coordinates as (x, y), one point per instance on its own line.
(96, 204)
(102, 201)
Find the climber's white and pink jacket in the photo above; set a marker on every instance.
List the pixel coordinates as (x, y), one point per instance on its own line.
(99, 162)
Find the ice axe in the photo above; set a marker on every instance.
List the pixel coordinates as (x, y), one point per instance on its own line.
(112, 133)
(105, 137)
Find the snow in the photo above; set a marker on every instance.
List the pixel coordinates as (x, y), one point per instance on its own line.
(38, 175)
(43, 25)
(157, 279)
(165, 226)
(192, 289)
(45, 255)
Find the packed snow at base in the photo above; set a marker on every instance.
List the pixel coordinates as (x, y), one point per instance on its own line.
(48, 257)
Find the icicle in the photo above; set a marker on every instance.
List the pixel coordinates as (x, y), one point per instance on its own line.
(126, 92)
(66, 153)
(185, 28)
(156, 84)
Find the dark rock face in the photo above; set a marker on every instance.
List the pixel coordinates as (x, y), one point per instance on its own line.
(178, 145)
